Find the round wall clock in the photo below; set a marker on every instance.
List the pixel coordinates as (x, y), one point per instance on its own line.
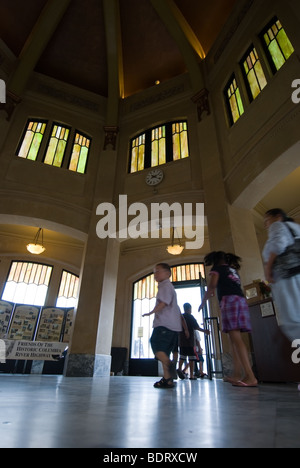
(154, 177)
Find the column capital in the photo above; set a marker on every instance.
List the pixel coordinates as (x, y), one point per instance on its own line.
(111, 134)
(12, 100)
(202, 102)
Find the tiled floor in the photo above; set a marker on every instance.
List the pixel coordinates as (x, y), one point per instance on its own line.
(127, 412)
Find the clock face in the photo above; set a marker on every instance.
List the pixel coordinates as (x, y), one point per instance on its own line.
(154, 177)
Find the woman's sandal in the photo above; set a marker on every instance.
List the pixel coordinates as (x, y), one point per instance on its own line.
(164, 383)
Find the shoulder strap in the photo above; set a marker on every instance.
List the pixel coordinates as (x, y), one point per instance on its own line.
(291, 230)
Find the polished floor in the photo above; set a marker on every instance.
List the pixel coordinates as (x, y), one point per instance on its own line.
(127, 412)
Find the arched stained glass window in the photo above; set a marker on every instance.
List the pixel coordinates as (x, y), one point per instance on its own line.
(158, 149)
(234, 100)
(80, 153)
(277, 44)
(27, 283)
(57, 145)
(68, 290)
(32, 139)
(158, 146)
(180, 141)
(253, 72)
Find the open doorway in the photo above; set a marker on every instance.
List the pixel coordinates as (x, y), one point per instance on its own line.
(189, 281)
(192, 295)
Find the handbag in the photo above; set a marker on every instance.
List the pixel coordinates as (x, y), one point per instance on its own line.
(287, 264)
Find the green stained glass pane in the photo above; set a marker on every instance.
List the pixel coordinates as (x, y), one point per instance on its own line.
(276, 55)
(83, 160)
(240, 102)
(36, 143)
(285, 44)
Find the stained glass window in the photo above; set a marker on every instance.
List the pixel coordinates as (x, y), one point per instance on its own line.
(57, 145)
(138, 153)
(180, 141)
(158, 146)
(254, 73)
(32, 139)
(158, 149)
(277, 44)
(234, 100)
(68, 291)
(27, 283)
(80, 153)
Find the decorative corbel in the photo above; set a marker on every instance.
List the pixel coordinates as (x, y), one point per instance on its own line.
(12, 100)
(111, 134)
(202, 102)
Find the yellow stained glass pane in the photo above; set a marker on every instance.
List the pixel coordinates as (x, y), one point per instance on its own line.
(141, 158)
(32, 140)
(134, 159)
(57, 146)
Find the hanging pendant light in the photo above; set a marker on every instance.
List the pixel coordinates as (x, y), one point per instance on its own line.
(175, 249)
(35, 248)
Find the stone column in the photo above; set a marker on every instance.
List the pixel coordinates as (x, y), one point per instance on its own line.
(90, 348)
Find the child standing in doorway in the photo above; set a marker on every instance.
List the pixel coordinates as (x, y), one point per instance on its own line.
(234, 308)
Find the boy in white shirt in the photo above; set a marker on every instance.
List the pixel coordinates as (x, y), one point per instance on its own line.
(167, 324)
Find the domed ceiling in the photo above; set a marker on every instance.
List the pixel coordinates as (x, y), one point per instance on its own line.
(80, 47)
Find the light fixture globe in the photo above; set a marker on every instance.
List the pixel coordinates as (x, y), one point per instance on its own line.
(175, 249)
(35, 248)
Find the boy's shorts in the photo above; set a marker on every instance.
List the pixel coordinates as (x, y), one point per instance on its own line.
(163, 340)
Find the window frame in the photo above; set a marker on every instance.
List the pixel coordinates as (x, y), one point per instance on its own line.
(169, 146)
(84, 135)
(66, 127)
(60, 286)
(227, 100)
(251, 49)
(23, 262)
(23, 136)
(269, 56)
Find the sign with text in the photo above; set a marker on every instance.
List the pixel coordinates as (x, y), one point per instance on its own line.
(33, 350)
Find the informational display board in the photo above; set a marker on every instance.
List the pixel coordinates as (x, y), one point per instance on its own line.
(23, 323)
(68, 325)
(6, 309)
(50, 324)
